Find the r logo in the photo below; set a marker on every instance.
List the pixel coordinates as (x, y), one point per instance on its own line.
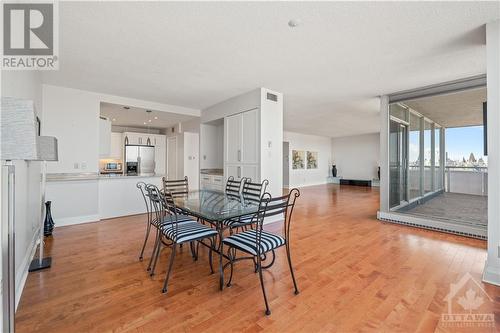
(28, 29)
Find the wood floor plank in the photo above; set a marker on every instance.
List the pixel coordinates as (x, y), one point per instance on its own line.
(355, 274)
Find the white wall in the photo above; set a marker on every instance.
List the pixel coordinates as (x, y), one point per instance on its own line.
(357, 157)
(211, 146)
(320, 144)
(27, 85)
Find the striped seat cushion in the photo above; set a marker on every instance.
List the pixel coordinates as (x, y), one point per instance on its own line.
(238, 222)
(170, 218)
(246, 241)
(187, 231)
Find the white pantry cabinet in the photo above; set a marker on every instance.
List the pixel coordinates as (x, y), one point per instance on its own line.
(160, 143)
(104, 137)
(116, 146)
(242, 145)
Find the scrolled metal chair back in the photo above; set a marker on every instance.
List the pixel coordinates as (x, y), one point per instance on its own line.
(253, 192)
(270, 206)
(177, 188)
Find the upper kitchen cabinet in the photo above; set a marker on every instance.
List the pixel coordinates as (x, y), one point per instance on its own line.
(242, 130)
(104, 137)
(116, 146)
(139, 138)
(160, 143)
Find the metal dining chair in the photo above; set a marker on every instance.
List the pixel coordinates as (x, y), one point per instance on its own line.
(257, 243)
(177, 188)
(142, 187)
(234, 187)
(177, 231)
(251, 193)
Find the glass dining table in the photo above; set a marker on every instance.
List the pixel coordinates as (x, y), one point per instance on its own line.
(215, 207)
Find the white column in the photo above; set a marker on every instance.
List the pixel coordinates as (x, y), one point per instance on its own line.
(492, 268)
(384, 154)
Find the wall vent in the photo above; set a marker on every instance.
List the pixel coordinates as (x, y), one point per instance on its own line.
(272, 97)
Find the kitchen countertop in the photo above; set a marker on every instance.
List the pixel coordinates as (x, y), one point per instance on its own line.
(214, 172)
(54, 177)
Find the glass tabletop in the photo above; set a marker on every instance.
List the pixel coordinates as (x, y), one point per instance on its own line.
(215, 206)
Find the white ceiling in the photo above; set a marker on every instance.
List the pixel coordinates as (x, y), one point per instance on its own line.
(459, 109)
(138, 117)
(331, 68)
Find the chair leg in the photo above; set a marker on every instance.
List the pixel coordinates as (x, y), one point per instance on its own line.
(172, 256)
(221, 266)
(154, 251)
(158, 251)
(193, 252)
(231, 253)
(210, 260)
(268, 311)
(291, 269)
(145, 241)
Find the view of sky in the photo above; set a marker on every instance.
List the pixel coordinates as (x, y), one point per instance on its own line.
(462, 141)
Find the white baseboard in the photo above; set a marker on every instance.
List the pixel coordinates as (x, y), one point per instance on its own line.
(61, 222)
(308, 184)
(22, 273)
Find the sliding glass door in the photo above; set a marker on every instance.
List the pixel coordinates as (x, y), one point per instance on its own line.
(397, 163)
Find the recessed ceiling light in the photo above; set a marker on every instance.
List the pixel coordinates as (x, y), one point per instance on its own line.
(126, 107)
(114, 119)
(294, 23)
(144, 123)
(156, 117)
(149, 120)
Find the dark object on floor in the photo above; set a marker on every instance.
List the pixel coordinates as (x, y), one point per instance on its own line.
(36, 265)
(334, 171)
(356, 182)
(48, 225)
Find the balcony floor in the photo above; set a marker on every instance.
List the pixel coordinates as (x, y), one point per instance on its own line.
(457, 207)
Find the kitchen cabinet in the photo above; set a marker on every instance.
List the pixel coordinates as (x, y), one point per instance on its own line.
(211, 182)
(116, 146)
(104, 137)
(160, 143)
(242, 145)
(139, 138)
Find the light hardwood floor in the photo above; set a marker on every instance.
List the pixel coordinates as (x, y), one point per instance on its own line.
(354, 273)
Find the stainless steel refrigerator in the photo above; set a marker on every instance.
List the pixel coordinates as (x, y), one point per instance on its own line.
(139, 159)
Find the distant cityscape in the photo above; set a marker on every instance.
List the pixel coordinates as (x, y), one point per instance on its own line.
(472, 161)
(463, 162)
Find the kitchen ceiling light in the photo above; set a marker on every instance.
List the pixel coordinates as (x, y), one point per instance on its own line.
(156, 118)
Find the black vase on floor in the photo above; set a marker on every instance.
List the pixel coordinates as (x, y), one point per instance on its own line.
(334, 171)
(48, 225)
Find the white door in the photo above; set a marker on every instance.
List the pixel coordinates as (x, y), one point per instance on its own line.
(191, 159)
(232, 138)
(172, 157)
(250, 136)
